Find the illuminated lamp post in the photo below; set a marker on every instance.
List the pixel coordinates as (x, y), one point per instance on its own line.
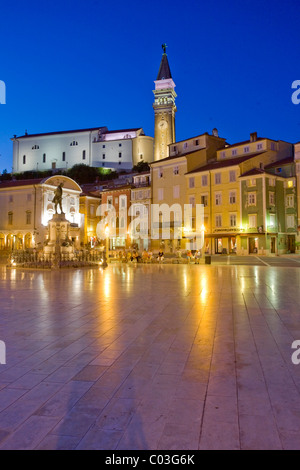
(106, 230)
(203, 241)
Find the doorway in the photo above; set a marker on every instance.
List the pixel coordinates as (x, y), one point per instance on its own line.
(273, 245)
(253, 245)
(291, 247)
(218, 246)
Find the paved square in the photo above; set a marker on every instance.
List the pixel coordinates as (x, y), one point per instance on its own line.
(150, 357)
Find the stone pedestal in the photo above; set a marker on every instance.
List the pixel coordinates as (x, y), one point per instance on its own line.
(58, 228)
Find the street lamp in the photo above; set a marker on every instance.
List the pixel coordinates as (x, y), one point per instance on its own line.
(203, 240)
(106, 230)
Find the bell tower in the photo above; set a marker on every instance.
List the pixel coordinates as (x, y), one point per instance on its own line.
(164, 109)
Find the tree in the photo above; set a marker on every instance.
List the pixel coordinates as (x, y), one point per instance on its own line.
(141, 166)
(5, 176)
(83, 174)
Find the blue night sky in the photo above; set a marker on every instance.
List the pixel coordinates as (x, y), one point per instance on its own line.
(77, 64)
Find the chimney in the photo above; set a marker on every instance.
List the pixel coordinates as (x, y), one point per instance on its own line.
(215, 132)
(253, 137)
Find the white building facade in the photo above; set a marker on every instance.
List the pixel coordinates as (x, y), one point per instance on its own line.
(97, 147)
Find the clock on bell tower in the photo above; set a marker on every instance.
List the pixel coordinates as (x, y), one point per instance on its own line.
(164, 109)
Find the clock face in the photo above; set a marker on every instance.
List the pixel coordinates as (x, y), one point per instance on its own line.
(163, 124)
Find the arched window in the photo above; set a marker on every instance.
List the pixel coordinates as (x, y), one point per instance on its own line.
(73, 143)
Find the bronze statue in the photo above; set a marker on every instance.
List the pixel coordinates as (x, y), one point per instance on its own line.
(58, 197)
(164, 47)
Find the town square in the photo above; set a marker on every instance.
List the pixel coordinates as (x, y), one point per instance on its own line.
(150, 228)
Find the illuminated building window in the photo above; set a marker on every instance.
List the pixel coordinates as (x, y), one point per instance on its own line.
(232, 176)
(28, 217)
(10, 218)
(204, 180)
(290, 184)
(218, 220)
(251, 199)
(123, 202)
(191, 182)
(109, 202)
(218, 178)
(232, 197)
(272, 220)
(192, 201)
(232, 219)
(204, 200)
(252, 220)
(290, 200)
(218, 199)
(272, 198)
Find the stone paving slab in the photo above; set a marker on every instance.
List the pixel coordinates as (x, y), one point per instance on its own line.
(180, 357)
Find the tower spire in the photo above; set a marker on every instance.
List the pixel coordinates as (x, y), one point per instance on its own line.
(164, 108)
(164, 69)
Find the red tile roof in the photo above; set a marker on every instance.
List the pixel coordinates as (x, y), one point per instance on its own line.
(177, 156)
(253, 172)
(224, 163)
(16, 183)
(283, 161)
(103, 129)
(61, 132)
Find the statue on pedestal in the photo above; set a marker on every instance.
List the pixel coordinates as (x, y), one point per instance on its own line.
(58, 198)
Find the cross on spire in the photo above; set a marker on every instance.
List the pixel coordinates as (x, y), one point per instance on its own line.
(164, 47)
